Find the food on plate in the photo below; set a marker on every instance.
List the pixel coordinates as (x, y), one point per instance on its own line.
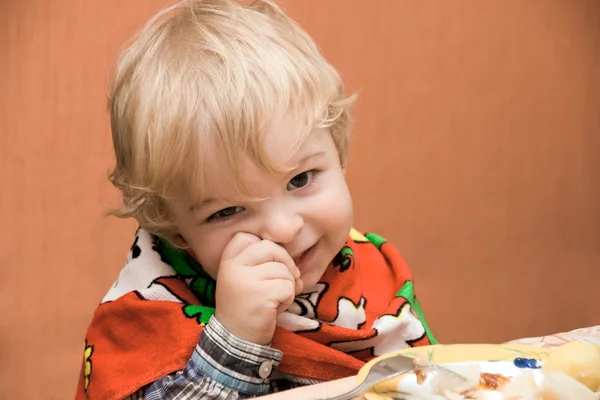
(522, 387)
(449, 384)
(555, 385)
(580, 361)
(489, 381)
(421, 361)
(445, 381)
(570, 372)
(421, 376)
(452, 381)
(559, 386)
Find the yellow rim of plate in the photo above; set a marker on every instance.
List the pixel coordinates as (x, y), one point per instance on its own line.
(453, 353)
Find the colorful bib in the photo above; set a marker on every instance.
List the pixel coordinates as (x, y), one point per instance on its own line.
(151, 319)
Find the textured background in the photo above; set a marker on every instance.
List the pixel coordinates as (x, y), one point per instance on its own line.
(476, 151)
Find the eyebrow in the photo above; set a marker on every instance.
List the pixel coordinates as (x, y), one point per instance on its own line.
(194, 208)
(305, 159)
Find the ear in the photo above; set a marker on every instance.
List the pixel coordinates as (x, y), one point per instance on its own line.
(343, 164)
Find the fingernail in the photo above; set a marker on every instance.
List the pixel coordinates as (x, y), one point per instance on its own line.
(297, 274)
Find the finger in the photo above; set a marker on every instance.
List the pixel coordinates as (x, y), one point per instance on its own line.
(281, 293)
(267, 251)
(299, 286)
(273, 270)
(238, 243)
(283, 307)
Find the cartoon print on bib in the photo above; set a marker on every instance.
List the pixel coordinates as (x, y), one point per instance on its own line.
(87, 360)
(363, 306)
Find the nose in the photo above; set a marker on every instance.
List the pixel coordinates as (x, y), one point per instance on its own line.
(281, 225)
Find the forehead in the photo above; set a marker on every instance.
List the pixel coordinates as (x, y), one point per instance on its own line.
(280, 153)
(283, 138)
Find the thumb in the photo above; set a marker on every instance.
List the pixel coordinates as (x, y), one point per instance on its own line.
(238, 243)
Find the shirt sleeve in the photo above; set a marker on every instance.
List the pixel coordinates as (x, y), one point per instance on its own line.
(222, 367)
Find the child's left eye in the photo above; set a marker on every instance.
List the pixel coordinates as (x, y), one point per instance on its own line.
(301, 180)
(225, 214)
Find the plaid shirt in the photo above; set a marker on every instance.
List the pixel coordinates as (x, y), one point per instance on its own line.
(222, 367)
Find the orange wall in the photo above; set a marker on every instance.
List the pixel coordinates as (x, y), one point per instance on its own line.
(476, 151)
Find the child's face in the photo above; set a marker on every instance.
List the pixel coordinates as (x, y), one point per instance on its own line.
(307, 211)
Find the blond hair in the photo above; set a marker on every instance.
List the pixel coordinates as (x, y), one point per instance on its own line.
(208, 76)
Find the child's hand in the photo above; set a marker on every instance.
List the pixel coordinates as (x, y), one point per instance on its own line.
(257, 280)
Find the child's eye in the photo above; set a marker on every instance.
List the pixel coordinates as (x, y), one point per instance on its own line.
(301, 180)
(225, 213)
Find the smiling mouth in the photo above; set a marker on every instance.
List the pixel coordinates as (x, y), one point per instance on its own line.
(299, 256)
(302, 259)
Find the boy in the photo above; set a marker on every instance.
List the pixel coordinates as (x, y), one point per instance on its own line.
(231, 136)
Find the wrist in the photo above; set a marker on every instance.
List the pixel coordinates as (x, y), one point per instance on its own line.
(235, 363)
(237, 328)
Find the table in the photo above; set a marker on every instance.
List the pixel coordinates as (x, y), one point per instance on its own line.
(327, 389)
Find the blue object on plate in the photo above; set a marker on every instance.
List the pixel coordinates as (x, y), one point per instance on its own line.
(526, 363)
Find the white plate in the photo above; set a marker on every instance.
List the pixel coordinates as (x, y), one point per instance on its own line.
(508, 369)
(507, 360)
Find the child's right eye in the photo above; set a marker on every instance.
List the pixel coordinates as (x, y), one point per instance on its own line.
(225, 214)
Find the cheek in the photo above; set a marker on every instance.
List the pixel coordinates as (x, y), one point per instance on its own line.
(207, 251)
(333, 207)
(344, 213)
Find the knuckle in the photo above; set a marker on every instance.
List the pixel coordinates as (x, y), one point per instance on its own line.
(245, 237)
(291, 286)
(268, 244)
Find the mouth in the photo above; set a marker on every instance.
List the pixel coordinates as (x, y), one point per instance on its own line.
(303, 259)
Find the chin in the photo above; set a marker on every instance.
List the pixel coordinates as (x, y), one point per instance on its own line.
(310, 281)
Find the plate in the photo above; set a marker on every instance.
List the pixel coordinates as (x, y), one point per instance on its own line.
(507, 360)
